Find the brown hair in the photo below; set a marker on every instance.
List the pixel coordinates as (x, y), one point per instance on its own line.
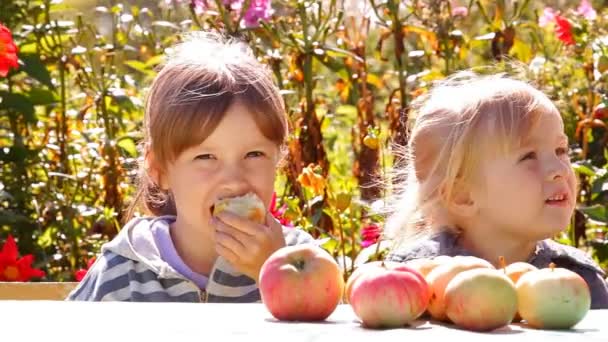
(201, 77)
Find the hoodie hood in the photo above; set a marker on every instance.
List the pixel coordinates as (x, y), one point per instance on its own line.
(136, 241)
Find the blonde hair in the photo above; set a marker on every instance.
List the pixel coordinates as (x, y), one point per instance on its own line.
(456, 123)
(201, 78)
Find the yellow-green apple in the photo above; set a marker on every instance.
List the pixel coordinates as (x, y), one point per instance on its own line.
(552, 298)
(301, 283)
(481, 299)
(389, 297)
(441, 275)
(248, 205)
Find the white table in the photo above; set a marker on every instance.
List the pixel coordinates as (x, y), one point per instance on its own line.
(169, 322)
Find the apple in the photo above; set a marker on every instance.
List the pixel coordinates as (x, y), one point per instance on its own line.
(424, 266)
(301, 283)
(249, 206)
(360, 270)
(552, 298)
(439, 278)
(481, 299)
(389, 297)
(514, 271)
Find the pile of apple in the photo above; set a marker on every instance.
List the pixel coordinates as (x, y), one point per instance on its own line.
(304, 283)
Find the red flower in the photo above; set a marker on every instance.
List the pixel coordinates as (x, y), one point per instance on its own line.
(79, 275)
(279, 213)
(14, 269)
(8, 51)
(564, 30)
(370, 234)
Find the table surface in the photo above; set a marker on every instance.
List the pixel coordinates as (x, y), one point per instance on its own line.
(107, 321)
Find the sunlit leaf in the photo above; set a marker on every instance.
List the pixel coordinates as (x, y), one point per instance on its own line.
(34, 67)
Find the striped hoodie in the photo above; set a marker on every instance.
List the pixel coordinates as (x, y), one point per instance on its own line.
(130, 269)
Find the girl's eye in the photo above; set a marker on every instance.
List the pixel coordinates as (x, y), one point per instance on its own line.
(206, 156)
(255, 154)
(560, 151)
(529, 155)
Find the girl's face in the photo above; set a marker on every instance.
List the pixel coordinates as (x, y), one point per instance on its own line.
(234, 160)
(529, 192)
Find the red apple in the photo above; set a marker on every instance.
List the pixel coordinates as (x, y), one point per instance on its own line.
(301, 283)
(360, 270)
(389, 297)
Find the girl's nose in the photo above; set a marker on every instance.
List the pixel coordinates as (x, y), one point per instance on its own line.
(557, 169)
(234, 181)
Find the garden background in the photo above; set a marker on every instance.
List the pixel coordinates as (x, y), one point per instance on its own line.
(73, 78)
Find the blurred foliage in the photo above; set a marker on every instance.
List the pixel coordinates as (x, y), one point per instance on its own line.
(348, 71)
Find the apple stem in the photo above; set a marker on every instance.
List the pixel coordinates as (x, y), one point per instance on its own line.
(502, 263)
(552, 266)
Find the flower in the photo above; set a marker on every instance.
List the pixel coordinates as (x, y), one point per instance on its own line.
(547, 18)
(564, 30)
(14, 269)
(259, 10)
(81, 273)
(312, 178)
(460, 11)
(234, 5)
(279, 213)
(8, 51)
(370, 234)
(586, 10)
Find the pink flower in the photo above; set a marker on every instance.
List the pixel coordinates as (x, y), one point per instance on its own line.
(370, 234)
(547, 18)
(460, 11)
(586, 10)
(279, 213)
(564, 30)
(234, 5)
(259, 10)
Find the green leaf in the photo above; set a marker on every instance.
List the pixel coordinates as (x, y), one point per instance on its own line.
(584, 169)
(596, 212)
(39, 96)
(34, 67)
(127, 144)
(521, 50)
(139, 66)
(46, 240)
(347, 110)
(18, 103)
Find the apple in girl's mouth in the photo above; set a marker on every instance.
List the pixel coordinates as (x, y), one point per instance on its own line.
(249, 206)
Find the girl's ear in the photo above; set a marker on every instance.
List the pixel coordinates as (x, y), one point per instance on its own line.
(154, 170)
(461, 201)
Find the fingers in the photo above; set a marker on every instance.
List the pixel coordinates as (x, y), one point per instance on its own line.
(243, 224)
(239, 234)
(227, 253)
